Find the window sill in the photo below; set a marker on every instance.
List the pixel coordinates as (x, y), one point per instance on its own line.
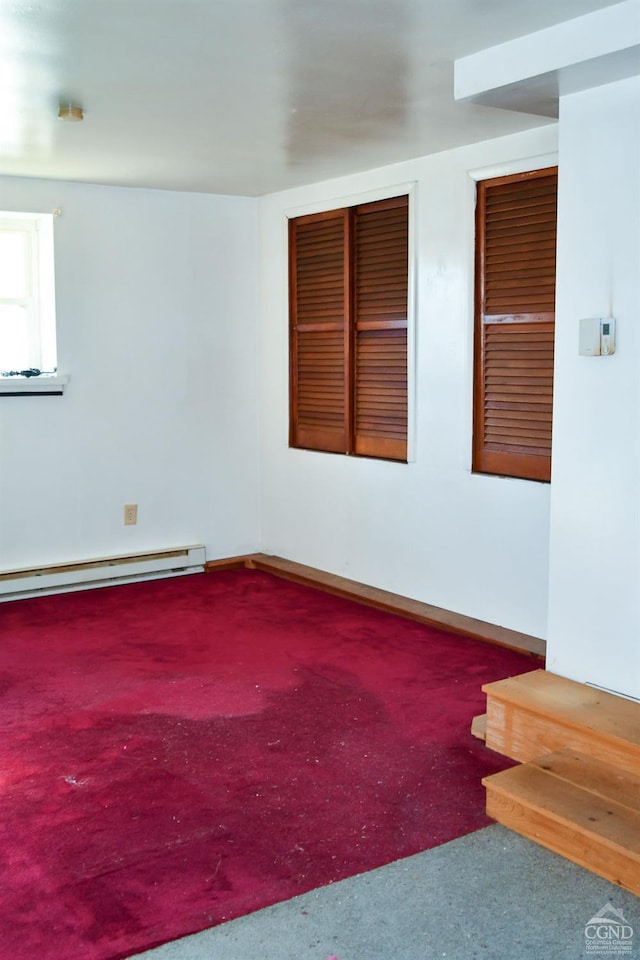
(33, 386)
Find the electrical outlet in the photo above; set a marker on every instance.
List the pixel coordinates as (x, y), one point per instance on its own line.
(130, 514)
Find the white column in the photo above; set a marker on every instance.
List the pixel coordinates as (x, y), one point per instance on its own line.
(594, 584)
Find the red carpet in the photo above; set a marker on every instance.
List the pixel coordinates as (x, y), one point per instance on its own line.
(178, 753)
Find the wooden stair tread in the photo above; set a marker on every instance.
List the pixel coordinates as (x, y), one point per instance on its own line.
(568, 788)
(570, 703)
(593, 775)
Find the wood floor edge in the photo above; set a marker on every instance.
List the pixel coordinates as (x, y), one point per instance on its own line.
(385, 600)
(230, 563)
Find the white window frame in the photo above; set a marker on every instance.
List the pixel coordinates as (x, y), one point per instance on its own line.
(39, 302)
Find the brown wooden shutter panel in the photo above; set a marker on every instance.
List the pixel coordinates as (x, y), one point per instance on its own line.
(515, 313)
(380, 328)
(319, 307)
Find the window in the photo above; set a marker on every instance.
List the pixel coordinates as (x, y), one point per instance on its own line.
(514, 324)
(348, 289)
(27, 304)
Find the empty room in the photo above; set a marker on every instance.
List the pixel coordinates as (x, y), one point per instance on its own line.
(319, 460)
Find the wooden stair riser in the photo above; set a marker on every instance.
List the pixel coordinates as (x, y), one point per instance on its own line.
(539, 712)
(523, 735)
(479, 727)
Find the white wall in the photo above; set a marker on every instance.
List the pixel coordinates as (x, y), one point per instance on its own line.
(429, 529)
(157, 326)
(594, 595)
(173, 364)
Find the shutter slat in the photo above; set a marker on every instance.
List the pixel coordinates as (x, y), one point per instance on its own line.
(319, 403)
(513, 393)
(381, 396)
(381, 289)
(544, 335)
(511, 390)
(509, 194)
(514, 226)
(514, 210)
(509, 273)
(530, 416)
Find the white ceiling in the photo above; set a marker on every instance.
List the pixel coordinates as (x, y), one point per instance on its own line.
(246, 96)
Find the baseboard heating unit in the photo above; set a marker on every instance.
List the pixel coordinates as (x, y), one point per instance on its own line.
(100, 572)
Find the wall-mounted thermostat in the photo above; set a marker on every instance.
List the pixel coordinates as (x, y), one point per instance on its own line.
(597, 337)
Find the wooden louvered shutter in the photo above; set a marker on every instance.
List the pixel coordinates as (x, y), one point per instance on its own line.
(380, 328)
(515, 314)
(319, 332)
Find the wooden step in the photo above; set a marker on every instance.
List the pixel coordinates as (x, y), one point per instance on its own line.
(539, 712)
(586, 810)
(479, 727)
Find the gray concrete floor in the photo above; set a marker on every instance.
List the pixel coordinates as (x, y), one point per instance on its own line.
(490, 895)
